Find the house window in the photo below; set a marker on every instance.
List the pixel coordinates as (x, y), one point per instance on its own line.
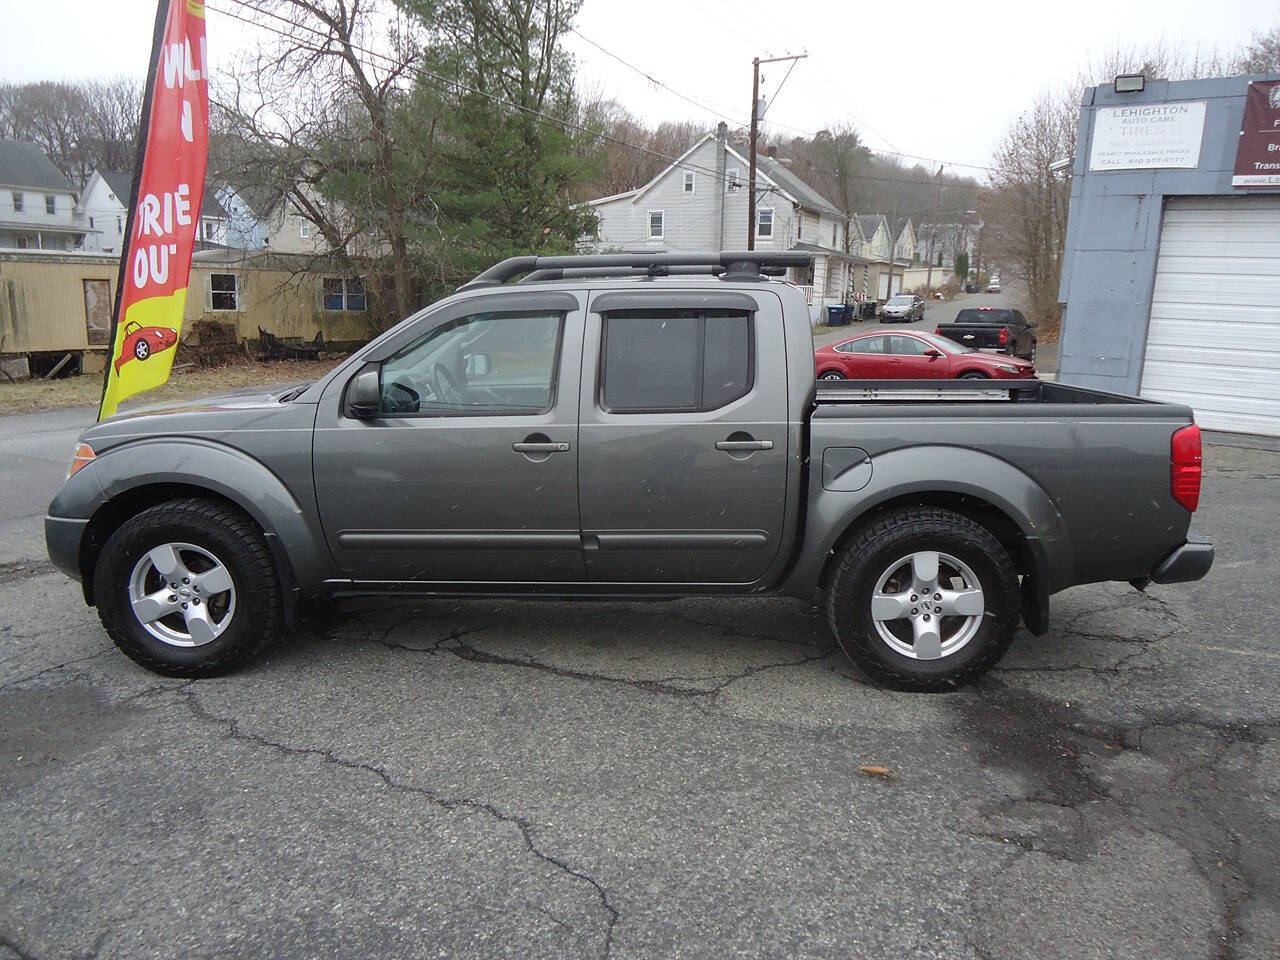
(834, 228)
(304, 230)
(208, 229)
(731, 182)
(675, 360)
(119, 225)
(22, 242)
(764, 222)
(17, 202)
(800, 226)
(344, 293)
(50, 204)
(91, 223)
(657, 224)
(224, 291)
(688, 181)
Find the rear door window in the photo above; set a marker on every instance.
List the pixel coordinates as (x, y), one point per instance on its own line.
(901, 346)
(869, 345)
(675, 360)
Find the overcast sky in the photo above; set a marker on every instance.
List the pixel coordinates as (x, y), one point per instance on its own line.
(937, 79)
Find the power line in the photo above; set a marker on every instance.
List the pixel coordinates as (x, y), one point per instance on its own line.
(465, 88)
(710, 106)
(722, 111)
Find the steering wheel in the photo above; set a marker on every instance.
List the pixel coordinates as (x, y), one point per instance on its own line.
(399, 398)
(447, 387)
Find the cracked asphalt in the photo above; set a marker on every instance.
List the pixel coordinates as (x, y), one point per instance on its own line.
(511, 779)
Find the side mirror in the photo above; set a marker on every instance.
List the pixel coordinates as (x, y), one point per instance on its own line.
(933, 354)
(364, 394)
(476, 365)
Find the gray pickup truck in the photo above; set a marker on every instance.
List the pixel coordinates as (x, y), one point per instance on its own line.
(639, 426)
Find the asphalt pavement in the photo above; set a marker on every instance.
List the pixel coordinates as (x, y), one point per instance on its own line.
(681, 779)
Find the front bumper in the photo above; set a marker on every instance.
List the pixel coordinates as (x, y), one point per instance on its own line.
(62, 537)
(1191, 561)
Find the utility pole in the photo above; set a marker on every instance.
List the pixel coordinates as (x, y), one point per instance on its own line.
(933, 233)
(755, 126)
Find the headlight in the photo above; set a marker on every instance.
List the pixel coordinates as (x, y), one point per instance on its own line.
(1007, 368)
(82, 457)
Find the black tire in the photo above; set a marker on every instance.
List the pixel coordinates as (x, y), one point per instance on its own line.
(257, 618)
(973, 375)
(831, 375)
(877, 546)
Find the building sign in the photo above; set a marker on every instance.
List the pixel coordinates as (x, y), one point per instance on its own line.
(1258, 154)
(1147, 135)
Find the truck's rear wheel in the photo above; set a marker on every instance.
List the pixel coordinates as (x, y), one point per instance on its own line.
(188, 588)
(924, 598)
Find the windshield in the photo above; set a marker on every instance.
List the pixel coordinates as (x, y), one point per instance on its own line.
(900, 301)
(943, 344)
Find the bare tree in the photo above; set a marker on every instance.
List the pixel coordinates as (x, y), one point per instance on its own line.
(324, 117)
(79, 126)
(1026, 213)
(1261, 54)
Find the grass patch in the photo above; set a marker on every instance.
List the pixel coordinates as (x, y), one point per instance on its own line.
(27, 396)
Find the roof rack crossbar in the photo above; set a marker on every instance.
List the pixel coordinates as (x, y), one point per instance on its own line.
(579, 273)
(735, 263)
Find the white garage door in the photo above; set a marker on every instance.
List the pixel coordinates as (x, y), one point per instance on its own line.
(1214, 340)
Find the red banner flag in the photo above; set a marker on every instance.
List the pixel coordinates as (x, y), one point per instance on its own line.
(164, 210)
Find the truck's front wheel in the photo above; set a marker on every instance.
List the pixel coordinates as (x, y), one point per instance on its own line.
(188, 588)
(924, 598)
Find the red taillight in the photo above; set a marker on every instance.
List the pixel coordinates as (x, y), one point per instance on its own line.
(938, 332)
(1186, 464)
(1003, 338)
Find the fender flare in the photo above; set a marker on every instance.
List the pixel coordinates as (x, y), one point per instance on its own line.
(293, 533)
(915, 470)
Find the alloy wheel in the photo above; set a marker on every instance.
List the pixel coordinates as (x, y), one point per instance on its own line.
(182, 594)
(927, 605)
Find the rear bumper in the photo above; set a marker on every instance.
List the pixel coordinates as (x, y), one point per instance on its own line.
(1191, 561)
(62, 537)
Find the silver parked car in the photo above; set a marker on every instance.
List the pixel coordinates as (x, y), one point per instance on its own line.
(902, 308)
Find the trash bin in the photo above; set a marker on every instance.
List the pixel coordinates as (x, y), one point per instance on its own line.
(838, 315)
(869, 310)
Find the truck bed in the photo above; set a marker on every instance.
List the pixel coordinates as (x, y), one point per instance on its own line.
(1098, 462)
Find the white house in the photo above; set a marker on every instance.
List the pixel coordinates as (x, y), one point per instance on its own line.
(699, 202)
(37, 203)
(103, 209)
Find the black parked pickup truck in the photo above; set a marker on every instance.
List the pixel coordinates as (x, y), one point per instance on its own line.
(639, 426)
(992, 328)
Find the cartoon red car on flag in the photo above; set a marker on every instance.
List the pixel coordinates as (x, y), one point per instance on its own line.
(141, 342)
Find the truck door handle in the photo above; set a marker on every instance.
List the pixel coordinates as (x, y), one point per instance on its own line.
(744, 444)
(550, 446)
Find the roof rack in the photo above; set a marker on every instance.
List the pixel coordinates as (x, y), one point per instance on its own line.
(732, 265)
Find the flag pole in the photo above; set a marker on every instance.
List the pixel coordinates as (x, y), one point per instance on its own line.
(139, 156)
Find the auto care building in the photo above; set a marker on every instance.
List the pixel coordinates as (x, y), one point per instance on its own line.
(1171, 279)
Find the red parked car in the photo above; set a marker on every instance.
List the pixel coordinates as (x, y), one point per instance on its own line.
(141, 342)
(913, 355)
